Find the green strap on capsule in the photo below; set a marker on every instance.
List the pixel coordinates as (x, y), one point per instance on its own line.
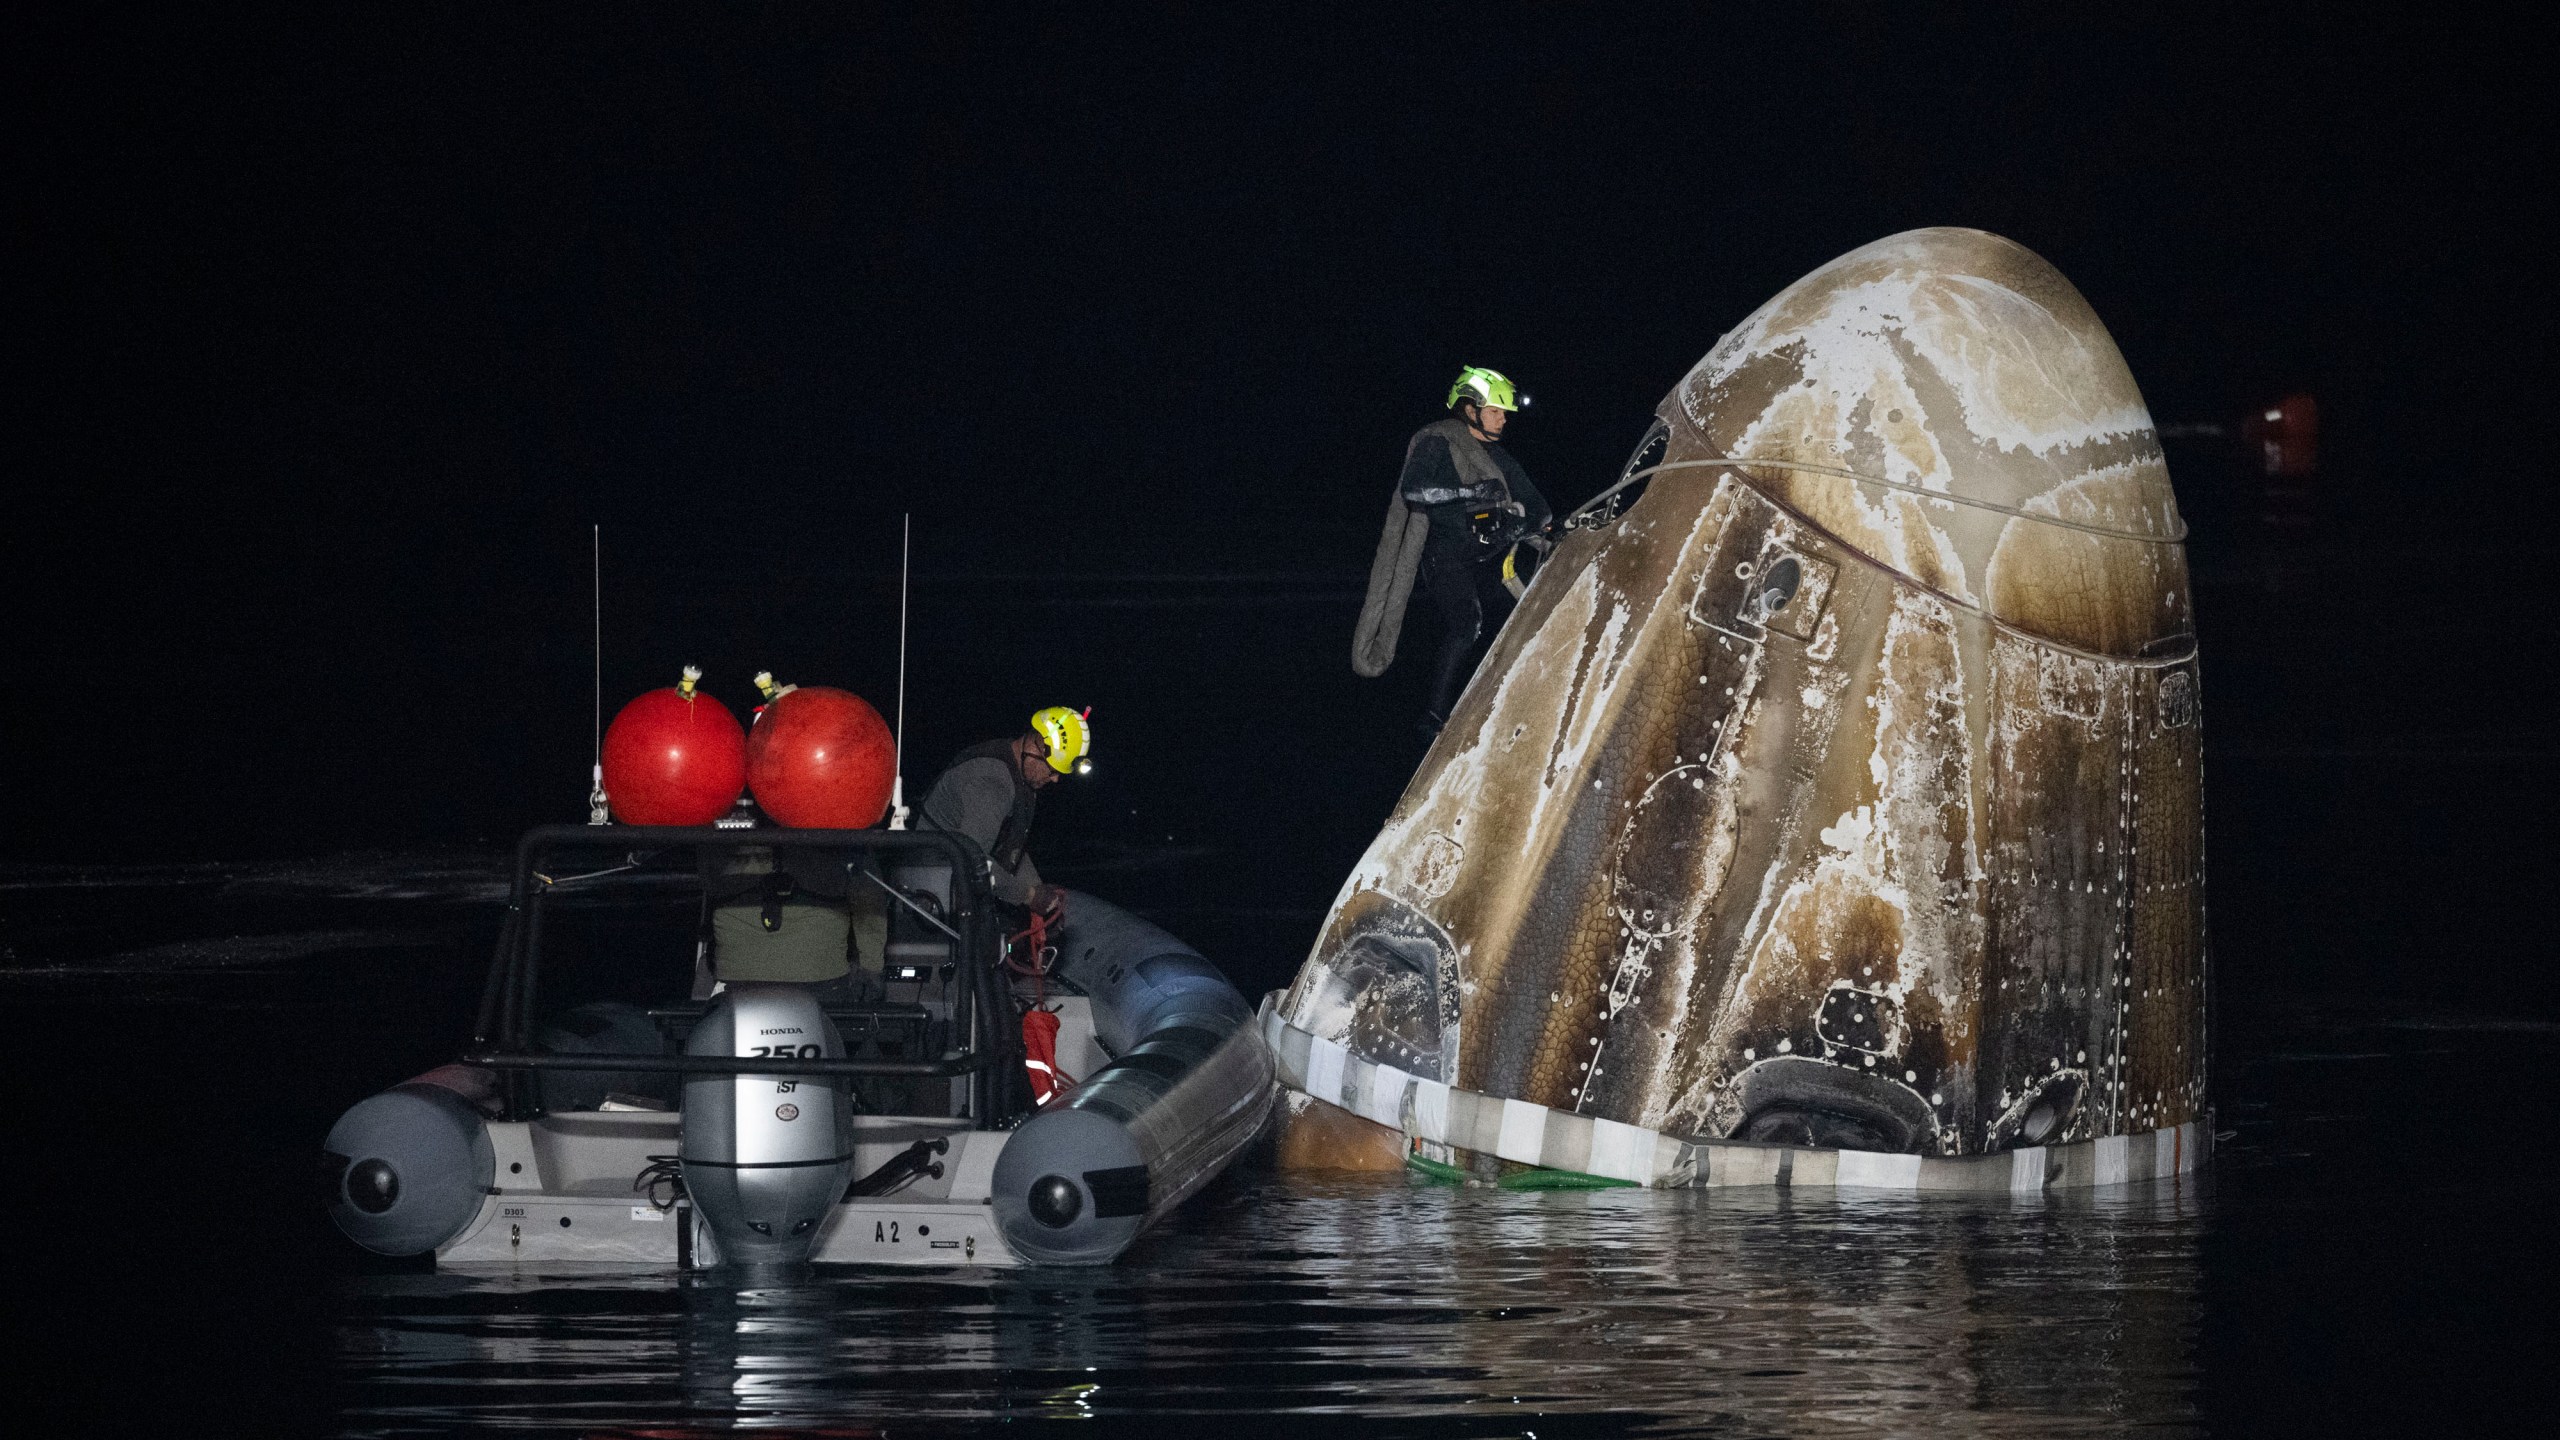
(1434, 1171)
(1560, 1180)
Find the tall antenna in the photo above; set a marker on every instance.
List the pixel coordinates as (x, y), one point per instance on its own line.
(599, 812)
(898, 736)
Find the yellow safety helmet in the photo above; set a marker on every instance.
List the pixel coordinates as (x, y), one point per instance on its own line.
(1069, 736)
(1490, 389)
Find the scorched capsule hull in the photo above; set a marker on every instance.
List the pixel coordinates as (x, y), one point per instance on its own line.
(1837, 783)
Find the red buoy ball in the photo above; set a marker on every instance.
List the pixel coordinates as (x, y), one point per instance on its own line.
(821, 759)
(673, 758)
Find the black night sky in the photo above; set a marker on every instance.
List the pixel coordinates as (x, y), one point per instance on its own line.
(337, 330)
(333, 332)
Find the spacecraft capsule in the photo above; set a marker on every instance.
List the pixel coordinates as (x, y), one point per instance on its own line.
(1838, 761)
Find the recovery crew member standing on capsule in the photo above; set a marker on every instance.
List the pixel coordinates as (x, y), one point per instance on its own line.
(1461, 507)
(989, 791)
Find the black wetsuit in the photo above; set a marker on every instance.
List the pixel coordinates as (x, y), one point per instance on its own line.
(1460, 560)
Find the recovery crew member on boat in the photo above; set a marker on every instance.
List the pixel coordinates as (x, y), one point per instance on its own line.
(1462, 508)
(989, 792)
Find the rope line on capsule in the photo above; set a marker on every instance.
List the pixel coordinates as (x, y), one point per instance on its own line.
(1716, 462)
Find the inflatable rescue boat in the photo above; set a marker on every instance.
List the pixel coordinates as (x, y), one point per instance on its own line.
(606, 1111)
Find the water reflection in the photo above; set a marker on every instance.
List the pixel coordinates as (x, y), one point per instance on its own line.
(1470, 1311)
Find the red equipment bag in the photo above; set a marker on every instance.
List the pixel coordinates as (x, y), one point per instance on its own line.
(1040, 1054)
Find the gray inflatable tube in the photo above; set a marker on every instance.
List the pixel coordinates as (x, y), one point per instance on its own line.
(1192, 1084)
(406, 1170)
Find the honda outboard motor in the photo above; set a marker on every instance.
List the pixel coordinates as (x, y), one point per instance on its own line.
(766, 1157)
(404, 1171)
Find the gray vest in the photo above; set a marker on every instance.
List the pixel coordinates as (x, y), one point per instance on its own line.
(1477, 470)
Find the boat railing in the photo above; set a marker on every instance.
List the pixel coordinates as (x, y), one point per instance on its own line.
(983, 1041)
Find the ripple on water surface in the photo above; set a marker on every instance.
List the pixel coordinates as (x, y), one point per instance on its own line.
(1470, 1311)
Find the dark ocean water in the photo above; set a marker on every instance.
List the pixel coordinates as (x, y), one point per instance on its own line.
(1468, 1312)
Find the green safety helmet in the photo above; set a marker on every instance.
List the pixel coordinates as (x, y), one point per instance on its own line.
(1490, 389)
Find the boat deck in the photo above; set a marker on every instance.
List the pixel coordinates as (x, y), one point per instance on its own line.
(567, 1192)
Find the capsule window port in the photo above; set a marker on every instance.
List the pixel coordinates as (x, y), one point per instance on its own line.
(1648, 453)
(515, 1167)
(1785, 592)
(564, 1222)
(1778, 584)
(1649, 450)
(2042, 1119)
